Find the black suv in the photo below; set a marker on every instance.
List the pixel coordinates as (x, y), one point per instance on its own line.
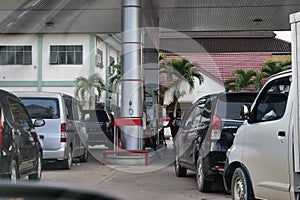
(99, 127)
(207, 131)
(21, 151)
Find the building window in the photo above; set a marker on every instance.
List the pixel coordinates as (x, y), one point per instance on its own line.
(66, 54)
(99, 58)
(15, 55)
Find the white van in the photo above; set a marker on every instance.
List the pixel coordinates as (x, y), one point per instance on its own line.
(264, 160)
(64, 134)
(258, 164)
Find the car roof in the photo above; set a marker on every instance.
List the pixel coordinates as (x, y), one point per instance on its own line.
(222, 94)
(40, 94)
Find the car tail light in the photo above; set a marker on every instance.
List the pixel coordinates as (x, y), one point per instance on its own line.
(218, 167)
(1, 141)
(215, 133)
(63, 132)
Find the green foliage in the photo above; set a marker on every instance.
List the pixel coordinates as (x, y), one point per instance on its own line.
(84, 87)
(240, 80)
(272, 67)
(183, 70)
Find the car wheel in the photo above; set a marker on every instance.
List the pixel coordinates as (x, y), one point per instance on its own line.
(241, 188)
(14, 172)
(38, 167)
(179, 170)
(84, 157)
(203, 185)
(67, 163)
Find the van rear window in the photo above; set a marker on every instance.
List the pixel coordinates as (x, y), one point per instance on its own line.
(229, 106)
(46, 108)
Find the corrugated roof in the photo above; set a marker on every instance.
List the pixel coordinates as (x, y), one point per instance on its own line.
(210, 34)
(224, 45)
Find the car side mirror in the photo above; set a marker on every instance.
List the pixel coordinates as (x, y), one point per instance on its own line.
(39, 122)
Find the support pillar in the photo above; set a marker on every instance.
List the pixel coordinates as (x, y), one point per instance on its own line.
(132, 80)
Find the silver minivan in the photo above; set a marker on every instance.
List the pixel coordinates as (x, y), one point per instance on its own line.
(64, 134)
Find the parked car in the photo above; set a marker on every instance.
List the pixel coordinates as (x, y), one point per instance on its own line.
(21, 152)
(206, 132)
(64, 132)
(99, 126)
(263, 162)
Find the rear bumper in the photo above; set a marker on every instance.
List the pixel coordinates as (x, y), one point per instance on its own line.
(5, 164)
(59, 154)
(214, 164)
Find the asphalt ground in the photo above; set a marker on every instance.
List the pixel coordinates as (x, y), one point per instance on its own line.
(156, 181)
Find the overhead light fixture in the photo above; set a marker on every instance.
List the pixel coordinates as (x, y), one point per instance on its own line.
(257, 21)
(49, 24)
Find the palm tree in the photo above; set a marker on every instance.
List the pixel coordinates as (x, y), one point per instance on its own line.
(272, 67)
(182, 70)
(84, 87)
(240, 80)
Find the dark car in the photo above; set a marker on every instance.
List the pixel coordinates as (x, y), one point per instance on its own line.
(21, 151)
(99, 127)
(206, 132)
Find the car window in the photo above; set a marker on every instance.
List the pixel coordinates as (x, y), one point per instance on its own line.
(198, 112)
(69, 109)
(188, 119)
(206, 114)
(45, 108)
(271, 103)
(19, 114)
(76, 111)
(229, 106)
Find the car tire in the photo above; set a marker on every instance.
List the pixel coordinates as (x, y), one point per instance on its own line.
(241, 186)
(84, 157)
(38, 167)
(14, 175)
(67, 163)
(179, 170)
(203, 185)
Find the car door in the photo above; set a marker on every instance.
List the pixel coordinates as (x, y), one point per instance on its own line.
(182, 139)
(23, 136)
(72, 137)
(205, 123)
(80, 131)
(265, 153)
(193, 134)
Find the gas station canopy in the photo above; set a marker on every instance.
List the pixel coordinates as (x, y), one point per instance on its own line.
(104, 16)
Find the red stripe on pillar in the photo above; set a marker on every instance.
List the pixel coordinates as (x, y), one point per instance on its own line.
(128, 122)
(164, 119)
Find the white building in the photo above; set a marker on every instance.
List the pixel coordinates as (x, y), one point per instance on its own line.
(51, 62)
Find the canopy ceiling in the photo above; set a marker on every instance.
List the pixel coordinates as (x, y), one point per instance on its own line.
(104, 16)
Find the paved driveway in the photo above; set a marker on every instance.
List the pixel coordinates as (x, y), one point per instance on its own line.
(156, 181)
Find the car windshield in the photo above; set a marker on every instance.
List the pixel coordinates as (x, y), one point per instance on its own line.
(229, 106)
(42, 108)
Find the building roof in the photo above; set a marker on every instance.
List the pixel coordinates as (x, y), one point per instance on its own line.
(220, 53)
(219, 43)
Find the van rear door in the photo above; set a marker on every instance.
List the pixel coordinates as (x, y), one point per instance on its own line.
(47, 109)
